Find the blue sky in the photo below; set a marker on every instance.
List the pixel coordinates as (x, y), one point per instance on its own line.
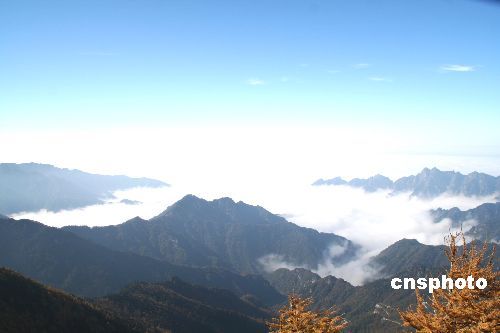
(112, 63)
(316, 88)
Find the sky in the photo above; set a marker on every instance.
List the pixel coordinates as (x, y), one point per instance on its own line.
(246, 93)
(97, 63)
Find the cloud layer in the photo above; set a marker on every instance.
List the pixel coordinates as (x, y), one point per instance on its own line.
(152, 201)
(256, 82)
(458, 68)
(372, 220)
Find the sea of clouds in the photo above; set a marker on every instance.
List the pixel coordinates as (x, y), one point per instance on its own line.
(371, 220)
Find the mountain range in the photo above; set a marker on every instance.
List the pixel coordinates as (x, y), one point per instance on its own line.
(429, 183)
(63, 260)
(180, 306)
(28, 306)
(197, 266)
(31, 187)
(358, 304)
(373, 306)
(218, 233)
(485, 220)
(184, 308)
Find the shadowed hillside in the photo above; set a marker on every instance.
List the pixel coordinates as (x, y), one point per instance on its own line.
(63, 260)
(27, 306)
(184, 308)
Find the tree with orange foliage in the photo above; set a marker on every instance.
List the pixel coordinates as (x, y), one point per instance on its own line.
(460, 310)
(296, 318)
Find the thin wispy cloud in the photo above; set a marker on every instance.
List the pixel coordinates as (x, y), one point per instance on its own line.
(379, 79)
(361, 65)
(458, 68)
(256, 82)
(304, 65)
(98, 53)
(333, 71)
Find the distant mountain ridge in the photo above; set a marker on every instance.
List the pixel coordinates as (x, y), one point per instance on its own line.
(31, 187)
(218, 233)
(429, 183)
(486, 218)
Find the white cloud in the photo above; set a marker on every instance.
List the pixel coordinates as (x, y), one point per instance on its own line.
(375, 220)
(256, 82)
(372, 220)
(272, 262)
(458, 68)
(379, 79)
(98, 53)
(333, 71)
(356, 272)
(361, 65)
(152, 202)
